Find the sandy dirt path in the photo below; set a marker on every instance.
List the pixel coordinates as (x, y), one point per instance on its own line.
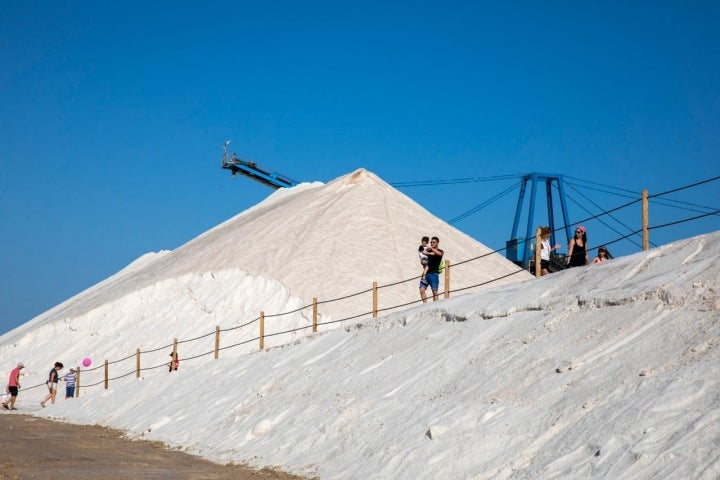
(36, 448)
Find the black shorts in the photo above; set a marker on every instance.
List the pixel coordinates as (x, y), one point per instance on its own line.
(544, 264)
(13, 391)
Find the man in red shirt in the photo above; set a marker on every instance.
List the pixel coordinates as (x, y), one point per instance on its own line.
(14, 386)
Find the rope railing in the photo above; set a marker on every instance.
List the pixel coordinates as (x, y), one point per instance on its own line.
(345, 297)
(241, 326)
(154, 350)
(197, 338)
(696, 184)
(489, 281)
(697, 217)
(367, 314)
(289, 312)
(353, 317)
(121, 359)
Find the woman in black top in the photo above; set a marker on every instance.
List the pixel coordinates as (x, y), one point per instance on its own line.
(577, 248)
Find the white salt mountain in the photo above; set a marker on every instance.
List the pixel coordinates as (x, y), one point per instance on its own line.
(314, 240)
(605, 371)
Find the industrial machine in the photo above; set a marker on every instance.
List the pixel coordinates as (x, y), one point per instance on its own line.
(251, 170)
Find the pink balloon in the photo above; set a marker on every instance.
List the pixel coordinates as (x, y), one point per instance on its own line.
(87, 362)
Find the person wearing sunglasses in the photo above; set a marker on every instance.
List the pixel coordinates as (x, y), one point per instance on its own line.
(577, 248)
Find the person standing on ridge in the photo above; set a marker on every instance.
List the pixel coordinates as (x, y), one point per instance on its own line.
(432, 277)
(577, 248)
(52, 384)
(546, 250)
(14, 386)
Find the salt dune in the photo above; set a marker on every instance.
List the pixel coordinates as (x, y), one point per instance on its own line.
(604, 371)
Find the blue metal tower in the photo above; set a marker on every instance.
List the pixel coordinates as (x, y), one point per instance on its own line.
(516, 245)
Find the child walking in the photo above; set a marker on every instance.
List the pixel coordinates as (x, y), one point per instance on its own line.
(70, 384)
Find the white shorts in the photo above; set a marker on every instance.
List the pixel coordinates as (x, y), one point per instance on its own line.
(52, 386)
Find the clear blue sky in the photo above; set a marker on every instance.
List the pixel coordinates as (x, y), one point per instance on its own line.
(113, 115)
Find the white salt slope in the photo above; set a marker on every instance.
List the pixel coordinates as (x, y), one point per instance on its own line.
(604, 371)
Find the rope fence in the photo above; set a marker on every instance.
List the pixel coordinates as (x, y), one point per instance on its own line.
(100, 374)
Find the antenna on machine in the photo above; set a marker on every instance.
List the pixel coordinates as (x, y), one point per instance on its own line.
(224, 157)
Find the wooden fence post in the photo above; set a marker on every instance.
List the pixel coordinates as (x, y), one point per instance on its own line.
(106, 374)
(262, 330)
(375, 300)
(538, 248)
(314, 315)
(137, 363)
(217, 341)
(645, 220)
(447, 278)
(77, 383)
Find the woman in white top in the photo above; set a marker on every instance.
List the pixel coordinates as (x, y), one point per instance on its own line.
(545, 250)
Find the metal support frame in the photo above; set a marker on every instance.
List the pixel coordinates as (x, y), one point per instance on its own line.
(515, 244)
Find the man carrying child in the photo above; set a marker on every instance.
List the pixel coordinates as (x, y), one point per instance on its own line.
(431, 276)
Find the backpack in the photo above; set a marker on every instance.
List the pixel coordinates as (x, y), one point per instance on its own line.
(442, 265)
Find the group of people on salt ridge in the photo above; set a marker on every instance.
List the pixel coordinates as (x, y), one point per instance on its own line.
(577, 250)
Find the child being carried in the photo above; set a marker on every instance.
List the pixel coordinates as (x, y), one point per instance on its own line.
(422, 253)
